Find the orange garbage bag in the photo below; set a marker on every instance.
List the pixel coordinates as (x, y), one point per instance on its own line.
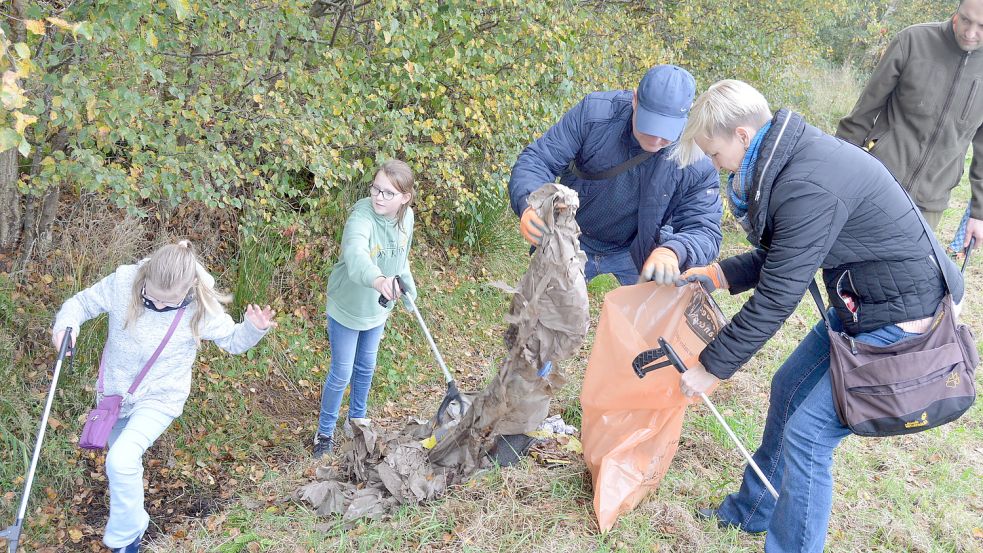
(631, 425)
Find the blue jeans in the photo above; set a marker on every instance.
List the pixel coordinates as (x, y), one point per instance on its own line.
(795, 448)
(129, 439)
(353, 356)
(618, 263)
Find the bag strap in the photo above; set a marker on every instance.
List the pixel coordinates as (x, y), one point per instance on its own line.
(612, 172)
(150, 362)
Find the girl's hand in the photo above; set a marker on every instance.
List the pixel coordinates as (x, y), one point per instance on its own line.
(56, 339)
(388, 287)
(696, 380)
(261, 318)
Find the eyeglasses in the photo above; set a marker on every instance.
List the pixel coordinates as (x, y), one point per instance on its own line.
(386, 194)
(143, 293)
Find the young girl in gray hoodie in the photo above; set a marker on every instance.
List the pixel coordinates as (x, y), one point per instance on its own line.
(142, 301)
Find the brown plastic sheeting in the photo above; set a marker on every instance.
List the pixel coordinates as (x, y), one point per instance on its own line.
(548, 321)
(631, 426)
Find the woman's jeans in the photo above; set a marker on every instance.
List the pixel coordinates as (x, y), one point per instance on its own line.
(128, 520)
(353, 356)
(796, 451)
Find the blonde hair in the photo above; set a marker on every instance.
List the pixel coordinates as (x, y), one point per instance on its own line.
(175, 268)
(400, 174)
(726, 105)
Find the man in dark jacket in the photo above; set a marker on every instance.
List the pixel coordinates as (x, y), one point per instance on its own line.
(921, 109)
(808, 201)
(639, 211)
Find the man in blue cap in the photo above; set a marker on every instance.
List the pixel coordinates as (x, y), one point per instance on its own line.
(641, 216)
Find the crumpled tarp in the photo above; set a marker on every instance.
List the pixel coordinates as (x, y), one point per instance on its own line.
(548, 321)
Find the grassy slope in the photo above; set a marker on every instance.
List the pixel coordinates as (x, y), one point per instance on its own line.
(915, 493)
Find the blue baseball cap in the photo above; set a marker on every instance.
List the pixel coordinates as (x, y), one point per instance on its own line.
(664, 96)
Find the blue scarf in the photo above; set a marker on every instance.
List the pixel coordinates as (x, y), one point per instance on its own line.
(739, 188)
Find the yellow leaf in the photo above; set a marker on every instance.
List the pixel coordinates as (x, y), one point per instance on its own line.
(429, 443)
(181, 8)
(75, 534)
(410, 68)
(151, 38)
(35, 26)
(574, 445)
(438, 137)
(62, 24)
(90, 109)
(22, 121)
(257, 98)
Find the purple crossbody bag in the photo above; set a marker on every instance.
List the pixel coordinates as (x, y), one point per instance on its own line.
(101, 420)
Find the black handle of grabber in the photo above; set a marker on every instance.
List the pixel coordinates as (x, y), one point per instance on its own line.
(673, 357)
(402, 290)
(451, 395)
(968, 250)
(643, 362)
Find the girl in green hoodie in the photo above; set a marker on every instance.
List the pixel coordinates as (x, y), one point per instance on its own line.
(374, 251)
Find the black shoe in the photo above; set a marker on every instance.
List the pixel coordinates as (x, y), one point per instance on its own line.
(323, 445)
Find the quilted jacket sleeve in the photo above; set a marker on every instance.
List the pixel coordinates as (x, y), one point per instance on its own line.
(544, 159)
(805, 225)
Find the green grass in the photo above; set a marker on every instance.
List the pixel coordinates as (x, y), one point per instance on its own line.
(243, 438)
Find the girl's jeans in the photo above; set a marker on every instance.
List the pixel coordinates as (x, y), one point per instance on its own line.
(796, 451)
(128, 520)
(353, 357)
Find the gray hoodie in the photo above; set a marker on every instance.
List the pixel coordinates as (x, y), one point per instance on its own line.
(168, 383)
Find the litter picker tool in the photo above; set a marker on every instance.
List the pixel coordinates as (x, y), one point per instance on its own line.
(644, 363)
(12, 533)
(968, 250)
(452, 394)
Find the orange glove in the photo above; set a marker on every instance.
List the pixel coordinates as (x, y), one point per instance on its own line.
(662, 267)
(532, 226)
(711, 277)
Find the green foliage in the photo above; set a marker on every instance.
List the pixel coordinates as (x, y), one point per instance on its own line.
(275, 114)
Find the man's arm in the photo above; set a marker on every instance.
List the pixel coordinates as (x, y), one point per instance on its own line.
(696, 218)
(544, 159)
(855, 128)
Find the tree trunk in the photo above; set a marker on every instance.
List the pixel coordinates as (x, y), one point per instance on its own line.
(10, 205)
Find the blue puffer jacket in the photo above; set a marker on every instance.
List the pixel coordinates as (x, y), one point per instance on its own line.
(653, 204)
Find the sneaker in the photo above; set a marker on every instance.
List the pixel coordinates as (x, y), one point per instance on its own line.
(132, 548)
(347, 426)
(323, 444)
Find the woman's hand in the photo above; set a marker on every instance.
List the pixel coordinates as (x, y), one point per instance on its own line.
(388, 287)
(696, 380)
(261, 318)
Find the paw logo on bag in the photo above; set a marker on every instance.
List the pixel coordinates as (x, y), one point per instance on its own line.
(952, 381)
(921, 422)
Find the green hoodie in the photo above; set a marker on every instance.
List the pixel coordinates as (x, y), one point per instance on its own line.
(372, 246)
